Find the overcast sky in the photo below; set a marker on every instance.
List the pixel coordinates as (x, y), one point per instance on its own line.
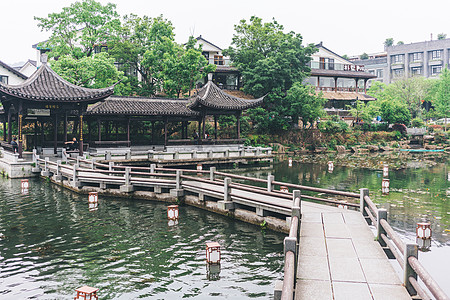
(345, 26)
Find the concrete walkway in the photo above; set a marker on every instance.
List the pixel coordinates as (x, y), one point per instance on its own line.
(339, 259)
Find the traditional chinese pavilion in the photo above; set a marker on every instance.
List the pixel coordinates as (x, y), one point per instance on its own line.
(47, 100)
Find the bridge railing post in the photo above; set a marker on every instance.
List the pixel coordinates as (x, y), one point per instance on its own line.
(64, 155)
(128, 155)
(152, 168)
(93, 163)
(270, 179)
(111, 167)
(363, 204)
(227, 203)
(381, 215)
(58, 175)
(150, 154)
(408, 271)
(127, 187)
(178, 179)
(227, 153)
(34, 157)
(75, 182)
(107, 155)
(212, 170)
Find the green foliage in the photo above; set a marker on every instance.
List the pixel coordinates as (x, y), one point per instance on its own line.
(394, 112)
(417, 122)
(400, 43)
(268, 58)
(96, 71)
(302, 102)
(257, 140)
(183, 67)
(441, 95)
(345, 56)
(440, 136)
(388, 42)
(364, 56)
(333, 126)
(77, 29)
(441, 36)
(360, 111)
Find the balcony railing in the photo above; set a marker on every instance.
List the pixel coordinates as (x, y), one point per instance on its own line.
(336, 66)
(340, 89)
(219, 62)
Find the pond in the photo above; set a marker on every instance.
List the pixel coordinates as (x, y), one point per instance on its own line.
(419, 192)
(51, 244)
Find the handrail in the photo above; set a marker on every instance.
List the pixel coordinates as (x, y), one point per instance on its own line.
(314, 189)
(289, 276)
(429, 282)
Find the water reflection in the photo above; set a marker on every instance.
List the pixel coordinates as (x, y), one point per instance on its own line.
(51, 244)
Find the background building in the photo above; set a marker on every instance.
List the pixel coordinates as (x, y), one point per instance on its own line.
(9, 75)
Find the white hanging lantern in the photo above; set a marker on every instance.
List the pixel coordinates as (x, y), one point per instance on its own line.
(385, 171)
(213, 253)
(93, 197)
(423, 235)
(290, 161)
(172, 212)
(24, 184)
(284, 189)
(330, 166)
(199, 167)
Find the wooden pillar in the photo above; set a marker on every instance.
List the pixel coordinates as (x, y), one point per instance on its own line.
(153, 132)
(35, 134)
(215, 127)
(89, 130)
(365, 86)
(356, 84)
(9, 125)
(128, 132)
(107, 131)
(55, 133)
(238, 125)
(4, 131)
(165, 132)
(99, 125)
(65, 126)
(204, 127)
(81, 134)
(42, 133)
(117, 131)
(19, 128)
(335, 84)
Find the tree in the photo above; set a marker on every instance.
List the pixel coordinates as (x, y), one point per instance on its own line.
(304, 103)
(183, 68)
(139, 47)
(441, 93)
(388, 42)
(394, 112)
(364, 56)
(79, 28)
(360, 111)
(267, 57)
(97, 71)
(345, 56)
(441, 36)
(400, 43)
(270, 62)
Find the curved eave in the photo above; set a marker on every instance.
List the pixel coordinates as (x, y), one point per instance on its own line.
(245, 105)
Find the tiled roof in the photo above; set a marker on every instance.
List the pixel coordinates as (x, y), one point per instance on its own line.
(12, 70)
(341, 74)
(211, 96)
(139, 106)
(346, 96)
(46, 85)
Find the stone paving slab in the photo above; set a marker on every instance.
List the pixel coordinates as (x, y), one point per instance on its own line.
(351, 290)
(339, 259)
(313, 290)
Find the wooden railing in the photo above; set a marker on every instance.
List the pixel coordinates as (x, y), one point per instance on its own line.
(405, 254)
(89, 171)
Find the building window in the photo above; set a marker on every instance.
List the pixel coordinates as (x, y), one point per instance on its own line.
(331, 63)
(206, 55)
(417, 56)
(398, 73)
(372, 72)
(436, 70)
(218, 60)
(4, 79)
(416, 71)
(380, 73)
(436, 54)
(397, 59)
(98, 49)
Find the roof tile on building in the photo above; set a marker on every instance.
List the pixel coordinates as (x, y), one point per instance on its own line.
(46, 85)
(344, 74)
(211, 96)
(346, 96)
(140, 106)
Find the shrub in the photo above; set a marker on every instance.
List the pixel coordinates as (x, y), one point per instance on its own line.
(440, 136)
(417, 122)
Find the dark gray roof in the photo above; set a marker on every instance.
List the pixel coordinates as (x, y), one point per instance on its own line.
(12, 70)
(139, 106)
(211, 96)
(46, 85)
(341, 74)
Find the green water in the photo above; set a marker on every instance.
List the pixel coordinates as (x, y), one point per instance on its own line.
(52, 244)
(419, 192)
